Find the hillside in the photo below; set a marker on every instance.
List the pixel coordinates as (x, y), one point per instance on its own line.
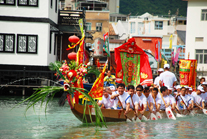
(156, 7)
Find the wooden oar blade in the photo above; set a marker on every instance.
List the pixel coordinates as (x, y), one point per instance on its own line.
(158, 115)
(180, 115)
(153, 117)
(136, 119)
(170, 114)
(205, 111)
(144, 118)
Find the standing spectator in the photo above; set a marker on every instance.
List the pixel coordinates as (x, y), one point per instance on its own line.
(157, 79)
(167, 78)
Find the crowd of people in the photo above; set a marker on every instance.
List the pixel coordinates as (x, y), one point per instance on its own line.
(164, 93)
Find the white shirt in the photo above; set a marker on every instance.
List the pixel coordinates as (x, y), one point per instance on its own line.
(149, 100)
(124, 98)
(158, 101)
(204, 96)
(135, 99)
(181, 104)
(172, 99)
(167, 78)
(197, 98)
(107, 102)
(166, 99)
(142, 100)
(156, 82)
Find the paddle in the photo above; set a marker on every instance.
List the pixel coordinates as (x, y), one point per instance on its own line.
(136, 119)
(123, 109)
(168, 111)
(204, 110)
(185, 104)
(157, 113)
(178, 114)
(152, 116)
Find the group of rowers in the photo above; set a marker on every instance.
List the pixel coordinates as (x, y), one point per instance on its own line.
(163, 94)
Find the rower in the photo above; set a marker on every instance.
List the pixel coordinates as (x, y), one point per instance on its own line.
(177, 90)
(167, 78)
(123, 96)
(183, 100)
(204, 94)
(157, 79)
(172, 100)
(190, 90)
(149, 99)
(202, 79)
(135, 98)
(197, 97)
(161, 104)
(106, 101)
(156, 99)
(142, 99)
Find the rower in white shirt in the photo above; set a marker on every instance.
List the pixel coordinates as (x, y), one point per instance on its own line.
(135, 98)
(204, 94)
(172, 100)
(177, 90)
(183, 100)
(157, 79)
(167, 78)
(106, 101)
(197, 97)
(161, 104)
(190, 90)
(149, 99)
(156, 99)
(120, 96)
(142, 99)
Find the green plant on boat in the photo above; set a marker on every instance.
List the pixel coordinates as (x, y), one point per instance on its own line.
(69, 73)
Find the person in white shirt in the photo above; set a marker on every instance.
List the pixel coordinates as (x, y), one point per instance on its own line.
(149, 99)
(121, 98)
(142, 99)
(161, 105)
(167, 78)
(190, 90)
(157, 79)
(183, 100)
(106, 101)
(135, 98)
(172, 100)
(204, 94)
(156, 99)
(177, 90)
(197, 97)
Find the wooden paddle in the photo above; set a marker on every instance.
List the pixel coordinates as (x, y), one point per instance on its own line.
(168, 111)
(185, 104)
(136, 119)
(204, 110)
(157, 113)
(123, 109)
(152, 116)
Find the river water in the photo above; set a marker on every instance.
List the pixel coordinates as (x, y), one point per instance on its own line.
(61, 123)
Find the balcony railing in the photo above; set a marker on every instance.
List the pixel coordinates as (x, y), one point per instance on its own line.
(167, 52)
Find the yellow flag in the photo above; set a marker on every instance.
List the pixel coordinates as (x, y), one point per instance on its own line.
(171, 37)
(163, 62)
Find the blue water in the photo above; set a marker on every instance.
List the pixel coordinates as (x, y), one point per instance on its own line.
(61, 123)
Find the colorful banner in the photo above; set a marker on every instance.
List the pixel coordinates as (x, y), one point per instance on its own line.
(97, 88)
(163, 62)
(172, 57)
(170, 40)
(106, 46)
(177, 54)
(132, 64)
(80, 21)
(188, 73)
(156, 50)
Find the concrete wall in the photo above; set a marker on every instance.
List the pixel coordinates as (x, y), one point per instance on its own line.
(42, 58)
(114, 6)
(196, 28)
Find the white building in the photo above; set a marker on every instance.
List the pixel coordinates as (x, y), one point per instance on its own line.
(196, 34)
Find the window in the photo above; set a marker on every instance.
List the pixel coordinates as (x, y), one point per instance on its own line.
(98, 26)
(7, 2)
(7, 43)
(88, 26)
(201, 56)
(27, 43)
(199, 39)
(204, 15)
(33, 3)
(158, 25)
(51, 3)
(132, 30)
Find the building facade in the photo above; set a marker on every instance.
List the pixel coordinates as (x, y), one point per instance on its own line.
(196, 36)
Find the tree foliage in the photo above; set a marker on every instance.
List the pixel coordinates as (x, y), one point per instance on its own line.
(156, 7)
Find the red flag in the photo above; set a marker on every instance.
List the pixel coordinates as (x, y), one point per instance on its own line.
(156, 50)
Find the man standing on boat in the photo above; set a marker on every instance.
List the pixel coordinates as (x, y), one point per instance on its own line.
(160, 104)
(142, 99)
(106, 101)
(157, 79)
(121, 98)
(109, 79)
(167, 78)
